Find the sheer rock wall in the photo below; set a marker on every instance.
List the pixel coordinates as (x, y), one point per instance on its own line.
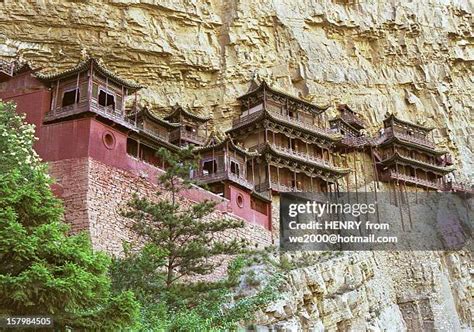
(413, 58)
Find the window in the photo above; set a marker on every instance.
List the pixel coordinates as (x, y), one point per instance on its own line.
(132, 147)
(234, 168)
(259, 206)
(148, 155)
(106, 99)
(209, 167)
(109, 140)
(240, 200)
(292, 115)
(68, 97)
(189, 128)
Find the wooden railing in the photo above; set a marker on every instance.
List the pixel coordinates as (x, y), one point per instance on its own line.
(388, 133)
(416, 160)
(292, 153)
(302, 155)
(303, 124)
(275, 186)
(182, 133)
(356, 141)
(352, 118)
(7, 67)
(91, 106)
(223, 175)
(246, 119)
(414, 180)
(458, 187)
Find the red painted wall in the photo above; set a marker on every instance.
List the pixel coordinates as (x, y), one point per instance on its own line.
(245, 211)
(31, 96)
(84, 137)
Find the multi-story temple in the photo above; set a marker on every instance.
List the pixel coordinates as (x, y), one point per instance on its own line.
(192, 129)
(292, 140)
(350, 125)
(278, 142)
(405, 154)
(224, 169)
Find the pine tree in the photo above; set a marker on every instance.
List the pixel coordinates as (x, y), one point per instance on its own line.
(184, 234)
(43, 271)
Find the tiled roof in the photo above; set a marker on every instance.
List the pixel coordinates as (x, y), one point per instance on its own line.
(410, 124)
(264, 85)
(86, 65)
(177, 110)
(222, 143)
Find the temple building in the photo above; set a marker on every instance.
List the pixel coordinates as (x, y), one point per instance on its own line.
(192, 130)
(89, 89)
(405, 154)
(153, 134)
(223, 170)
(6, 70)
(350, 125)
(292, 140)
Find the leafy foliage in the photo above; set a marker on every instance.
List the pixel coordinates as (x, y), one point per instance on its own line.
(188, 306)
(181, 244)
(184, 234)
(42, 269)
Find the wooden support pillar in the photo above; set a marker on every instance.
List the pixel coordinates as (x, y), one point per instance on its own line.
(253, 171)
(77, 89)
(106, 91)
(226, 157)
(269, 176)
(122, 107)
(278, 175)
(56, 97)
(244, 170)
(294, 179)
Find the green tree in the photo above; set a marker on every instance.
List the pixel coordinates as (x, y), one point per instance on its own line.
(42, 269)
(184, 233)
(180, 244)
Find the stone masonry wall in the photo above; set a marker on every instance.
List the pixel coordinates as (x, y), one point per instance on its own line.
(94, 193)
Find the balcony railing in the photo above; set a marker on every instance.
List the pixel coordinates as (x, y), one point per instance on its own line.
(92, 106)
(356, 141)
(262, 187)
(290, 120)
(302, 155)
(388, 133)
(458, 187)
(393, 175)
(223, 175)
(416, 160)
(246, 119)
(352, 119)
(7, 67)
(294, 154)
(183, 134)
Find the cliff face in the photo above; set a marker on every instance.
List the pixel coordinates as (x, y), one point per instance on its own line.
(412, 58)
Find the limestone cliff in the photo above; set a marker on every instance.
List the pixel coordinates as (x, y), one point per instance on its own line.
(413, 58)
